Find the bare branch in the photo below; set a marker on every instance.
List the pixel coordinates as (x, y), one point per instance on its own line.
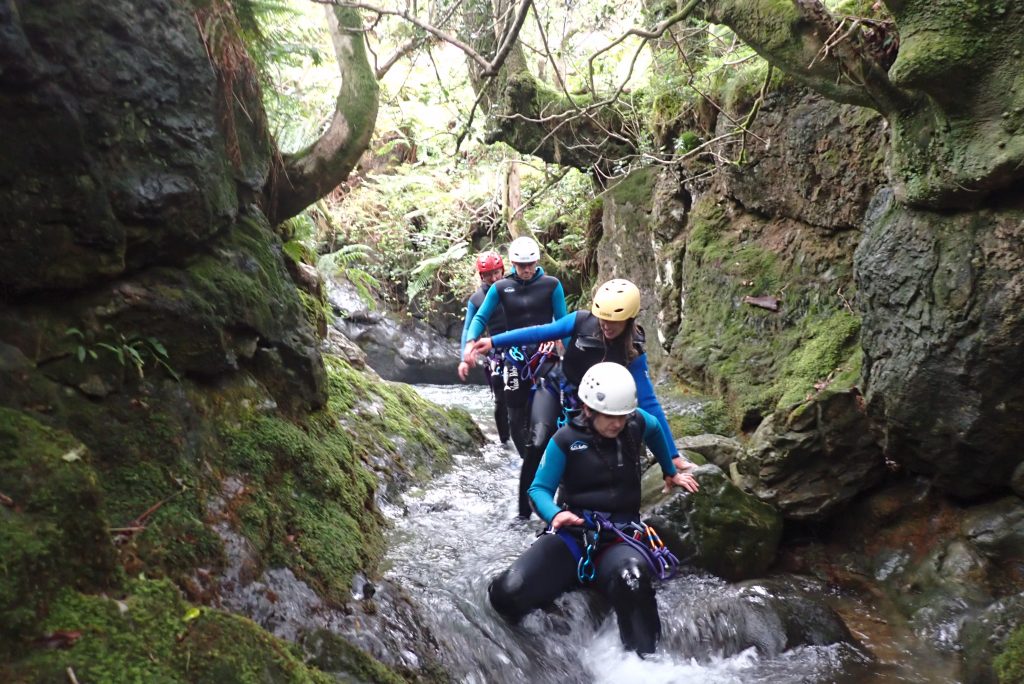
(656, 32)
(433, 30)
(510, 37)
(399, 53)
(488, 68)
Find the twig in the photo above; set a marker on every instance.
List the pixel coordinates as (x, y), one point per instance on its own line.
(6, 500)
(656, 32)
(846, 302)
(72, 679)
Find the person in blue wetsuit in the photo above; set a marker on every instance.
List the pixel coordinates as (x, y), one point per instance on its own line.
(528, 297)
(597, 460)
(608, 332)
(491, 268)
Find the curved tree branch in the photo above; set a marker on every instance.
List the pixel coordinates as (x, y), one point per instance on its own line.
(308, 175)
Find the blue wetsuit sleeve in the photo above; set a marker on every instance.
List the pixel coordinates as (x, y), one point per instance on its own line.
(654, 437)
(647, 400)
(470, 312)
(560, 310)
(558, 302)
(546, 481)
(482, 315)
(536, 333)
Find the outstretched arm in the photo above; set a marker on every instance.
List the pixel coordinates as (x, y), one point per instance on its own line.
(654, 437)
(536, 333)
(464, 364)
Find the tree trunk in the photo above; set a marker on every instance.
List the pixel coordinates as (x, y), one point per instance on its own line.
(533, 117)
(308, 175)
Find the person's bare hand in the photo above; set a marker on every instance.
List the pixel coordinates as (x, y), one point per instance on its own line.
(463, 371)
(483, 346)
(684, 480)
(565, 519)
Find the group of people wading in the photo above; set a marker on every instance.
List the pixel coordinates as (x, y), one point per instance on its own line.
(581, 421)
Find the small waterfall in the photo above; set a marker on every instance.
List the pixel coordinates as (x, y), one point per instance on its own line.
(458, 531)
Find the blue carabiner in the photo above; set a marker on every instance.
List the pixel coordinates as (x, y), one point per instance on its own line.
(516, 353)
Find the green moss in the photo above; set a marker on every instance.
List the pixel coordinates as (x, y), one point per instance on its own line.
(711, 418)
(152, 635)
(637, 188)
(310, 502)
(753, 358)
(1009, 664)
(252, 285)
(56, 533)
(828, 344)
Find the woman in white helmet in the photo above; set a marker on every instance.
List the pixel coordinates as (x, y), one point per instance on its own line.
(597, 461)
(608, 332)
(528, 297)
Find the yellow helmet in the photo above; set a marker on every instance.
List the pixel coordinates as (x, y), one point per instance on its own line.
(616, 300)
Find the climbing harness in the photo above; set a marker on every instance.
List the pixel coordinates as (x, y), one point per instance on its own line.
(642, 537)
(570, 402)
(511, 372)
(538, 364)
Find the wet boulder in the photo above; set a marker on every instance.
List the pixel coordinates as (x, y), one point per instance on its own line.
(399, 349)
(720, 528)
(809, 461)
(772, 616)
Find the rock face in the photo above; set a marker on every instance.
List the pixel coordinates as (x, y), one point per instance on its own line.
(719, 528)
(888, 379)
(815, 459)
(163, 398)
(91, 189)
(406, 350)
(943, 296)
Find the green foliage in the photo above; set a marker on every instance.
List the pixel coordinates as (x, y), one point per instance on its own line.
(348, 262)
(416, 222)
(428, 269)
(1009, 664)
(291, 49)
(130, 351)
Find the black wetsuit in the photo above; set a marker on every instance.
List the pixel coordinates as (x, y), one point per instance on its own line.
(526, 303)
(495, 362)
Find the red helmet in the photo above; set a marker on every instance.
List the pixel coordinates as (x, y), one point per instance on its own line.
(489, 261)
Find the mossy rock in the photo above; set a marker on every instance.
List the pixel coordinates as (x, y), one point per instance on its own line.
(719, 528)
(1009, 664)
(54, 533)
(754, 359)
(636, 189)
(152, 635)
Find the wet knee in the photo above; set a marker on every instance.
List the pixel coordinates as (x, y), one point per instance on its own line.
(632, 579)
(505, 594)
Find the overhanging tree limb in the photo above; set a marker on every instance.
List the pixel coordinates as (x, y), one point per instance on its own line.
(308, 175)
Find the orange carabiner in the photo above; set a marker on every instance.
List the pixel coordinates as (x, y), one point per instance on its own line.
(653, 538)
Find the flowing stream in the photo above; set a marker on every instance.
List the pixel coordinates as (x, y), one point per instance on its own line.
(458, 531)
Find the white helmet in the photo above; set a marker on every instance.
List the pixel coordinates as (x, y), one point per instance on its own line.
(608, 388)
(523, 250)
